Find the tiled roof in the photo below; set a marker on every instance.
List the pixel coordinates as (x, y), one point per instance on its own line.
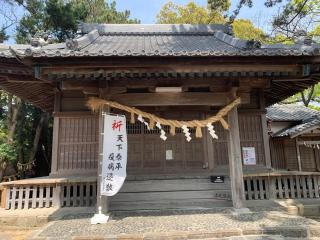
(158, 40)
(300, 128)
(290, 112)
(304, 117)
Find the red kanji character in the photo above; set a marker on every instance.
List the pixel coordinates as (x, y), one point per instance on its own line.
(116, 125)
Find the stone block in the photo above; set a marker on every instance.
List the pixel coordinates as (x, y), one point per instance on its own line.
(130, 236)
(293, 232)
(252, 231)
(216, 234)
(314, 231)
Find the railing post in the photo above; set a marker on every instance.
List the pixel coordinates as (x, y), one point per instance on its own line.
(57, 196)
(272, 187)
(3, 197)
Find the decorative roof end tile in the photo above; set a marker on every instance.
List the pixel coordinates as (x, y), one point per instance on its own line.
(40, 39)
(253, 44)
(229, 30)
(302, 38)
(72, 44)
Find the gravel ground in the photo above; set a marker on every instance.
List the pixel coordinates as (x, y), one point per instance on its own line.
(159, 223)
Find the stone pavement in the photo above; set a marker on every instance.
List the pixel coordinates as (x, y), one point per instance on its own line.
(184, 225)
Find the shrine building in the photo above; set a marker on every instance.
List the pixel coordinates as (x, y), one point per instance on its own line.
(177, 72)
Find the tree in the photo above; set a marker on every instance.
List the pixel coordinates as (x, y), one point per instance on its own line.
(244, 29)
(3, 35)
(191, 13)
(60, 18)
(219, 5)
(307, 96)
(24, 129)
(293, 15)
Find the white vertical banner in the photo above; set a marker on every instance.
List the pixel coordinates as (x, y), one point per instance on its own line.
(114, 150)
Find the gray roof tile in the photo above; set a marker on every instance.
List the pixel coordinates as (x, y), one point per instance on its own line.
(290, 112)
(158, 40)
(300, 128)
(306, 118)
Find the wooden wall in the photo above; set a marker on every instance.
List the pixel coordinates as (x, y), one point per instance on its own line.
(251, 135)
(284, 155)
(77, 146)
(277, 153)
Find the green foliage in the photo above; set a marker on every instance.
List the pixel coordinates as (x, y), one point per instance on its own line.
(191, 13)
(8, 151)
(60, 18)
(3, 35)
(244, 29)
(219, 5)
(314, 107)
(308, 96)
(316, 33)
(293, 15)
(31, 22)
(280, 39)
(98, 11)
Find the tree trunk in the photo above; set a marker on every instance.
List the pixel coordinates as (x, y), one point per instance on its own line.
(1, 174)
(9, 116)
(306, 99)
(33, 151)
(13, 119)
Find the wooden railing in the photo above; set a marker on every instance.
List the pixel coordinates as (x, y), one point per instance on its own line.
(46, 192)
(78, 192)
(282, 185)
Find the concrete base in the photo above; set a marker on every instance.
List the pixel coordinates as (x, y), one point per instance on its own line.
(238, 211)
(99, 218)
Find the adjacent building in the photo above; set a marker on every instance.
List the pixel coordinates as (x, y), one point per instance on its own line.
(181, 72)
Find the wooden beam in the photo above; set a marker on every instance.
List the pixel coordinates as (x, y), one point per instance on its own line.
(235, 160)
(158, 60)
(166, 67)
(174, 99)
(292, 80)
(173, 64)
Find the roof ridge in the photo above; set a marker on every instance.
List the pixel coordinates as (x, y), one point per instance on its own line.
(172, 29)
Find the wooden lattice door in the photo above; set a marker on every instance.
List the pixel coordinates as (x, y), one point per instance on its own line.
(148, 153)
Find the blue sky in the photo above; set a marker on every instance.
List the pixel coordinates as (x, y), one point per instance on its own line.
(146, 11)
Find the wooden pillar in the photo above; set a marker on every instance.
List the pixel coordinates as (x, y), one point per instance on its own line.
(101, 200)
(266, 142)
(235, 161)
(55, 135)
(298, 155)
